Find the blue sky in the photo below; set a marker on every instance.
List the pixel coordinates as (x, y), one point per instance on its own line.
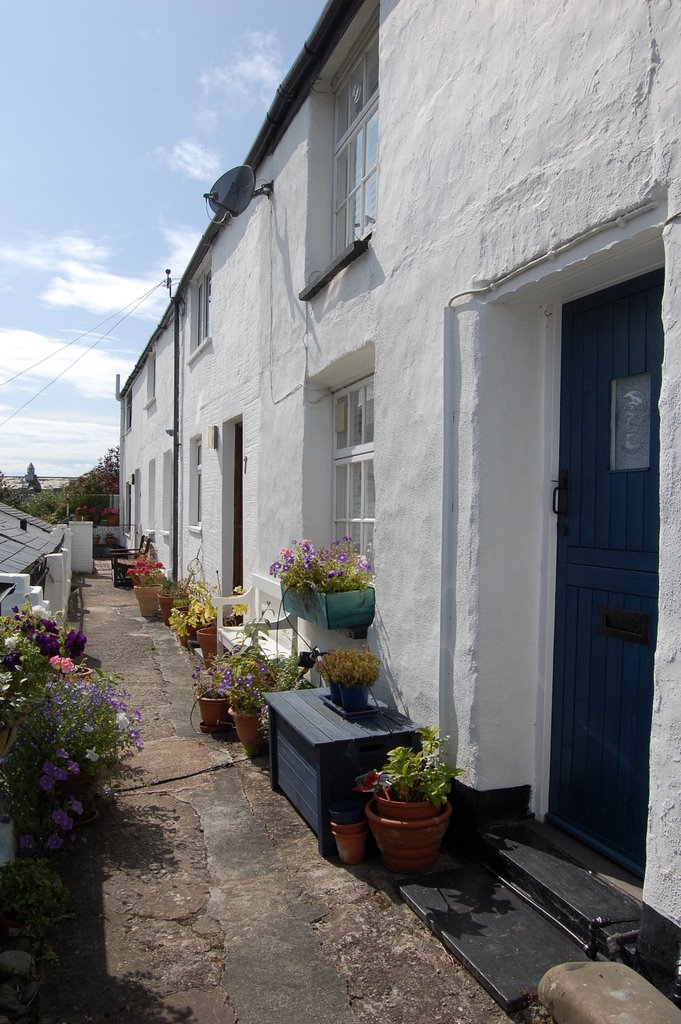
(114, 120)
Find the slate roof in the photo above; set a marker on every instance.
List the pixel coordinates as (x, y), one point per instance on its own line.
(25, 539)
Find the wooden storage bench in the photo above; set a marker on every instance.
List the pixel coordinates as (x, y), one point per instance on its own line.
(316, 755)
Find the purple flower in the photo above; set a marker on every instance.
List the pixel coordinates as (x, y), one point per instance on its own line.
(342, 556)
(26, 842)
(76, 806)
(73, 767)
(61, 774)
(45, 782)
(11, 661)
(140, 744)
(54, 842)
(60, 752)
(62, 819)
(48, 768)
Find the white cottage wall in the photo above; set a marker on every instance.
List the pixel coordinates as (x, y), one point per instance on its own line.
(505, 134)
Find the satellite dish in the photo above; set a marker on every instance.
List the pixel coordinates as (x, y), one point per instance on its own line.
(231, 194)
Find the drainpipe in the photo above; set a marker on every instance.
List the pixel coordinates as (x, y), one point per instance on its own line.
(176, 437)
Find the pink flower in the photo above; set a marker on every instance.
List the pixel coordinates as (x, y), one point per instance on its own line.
(64, 665)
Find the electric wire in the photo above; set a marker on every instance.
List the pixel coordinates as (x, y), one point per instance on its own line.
(27, 369)
(138, 302)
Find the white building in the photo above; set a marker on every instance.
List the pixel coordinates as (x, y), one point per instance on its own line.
(456, 316)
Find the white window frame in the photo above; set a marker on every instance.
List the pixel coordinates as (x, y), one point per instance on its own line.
(203, 315)
(351, 194)
(196, 481)
(128, 411)
(359, 454)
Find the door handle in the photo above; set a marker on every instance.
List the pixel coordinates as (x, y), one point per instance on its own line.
(559, 501)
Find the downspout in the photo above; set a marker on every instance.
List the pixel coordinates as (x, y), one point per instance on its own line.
(176, 436)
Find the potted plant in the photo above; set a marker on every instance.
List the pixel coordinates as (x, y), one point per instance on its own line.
(327, 586)
(209, 685)
(31, 896)
(147, 577)
(350, 673)
(410, 812)
(76, 739)
(248, 675)
(172, 592)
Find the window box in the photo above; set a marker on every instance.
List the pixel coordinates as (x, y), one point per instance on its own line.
(348, 610)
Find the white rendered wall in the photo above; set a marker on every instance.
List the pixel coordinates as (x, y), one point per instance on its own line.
(501, 138)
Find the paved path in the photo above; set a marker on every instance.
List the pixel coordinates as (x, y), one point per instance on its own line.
(204, 900)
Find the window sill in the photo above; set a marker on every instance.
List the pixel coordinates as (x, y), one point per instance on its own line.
(196, 530)
(344, 259)
(193, 356)
(150, 404)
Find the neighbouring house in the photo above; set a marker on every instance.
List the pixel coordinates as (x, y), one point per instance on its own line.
(452, 332)
(35, 561)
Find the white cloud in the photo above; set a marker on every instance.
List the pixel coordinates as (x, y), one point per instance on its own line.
(249, 80)
(82, 279)
(93, 376)
(181, 241)
(74, 448)
(42, 253)
(190, 158)
(98, 291)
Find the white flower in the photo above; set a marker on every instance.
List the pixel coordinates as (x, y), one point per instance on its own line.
(123, 722)
(11, 641)
(92, 755)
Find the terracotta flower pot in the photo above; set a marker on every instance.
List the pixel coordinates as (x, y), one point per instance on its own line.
(408, 846)
(215, 716)
(250, 736)
(166, 602)
(208, 640)
(405, 810)
(147, 599)
(351, 841)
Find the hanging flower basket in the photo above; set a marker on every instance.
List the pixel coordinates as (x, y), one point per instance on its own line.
(349, 609)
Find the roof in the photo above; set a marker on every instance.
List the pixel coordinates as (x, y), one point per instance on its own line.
(24, 539)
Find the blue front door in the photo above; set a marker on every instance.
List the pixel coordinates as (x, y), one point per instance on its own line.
(607, 510)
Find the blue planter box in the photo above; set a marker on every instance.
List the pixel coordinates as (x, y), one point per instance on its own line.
(352, 609)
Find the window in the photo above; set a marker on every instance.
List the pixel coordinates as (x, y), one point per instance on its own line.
(195, 482)
(354, 498)
(151, 376)
(128, 410)
(167, 490)
(356, 150)
(202, 319)
(151, 496)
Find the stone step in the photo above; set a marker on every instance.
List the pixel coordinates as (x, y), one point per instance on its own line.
(504, 943)
(566, 889)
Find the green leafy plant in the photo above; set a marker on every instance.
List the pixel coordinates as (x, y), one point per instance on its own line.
(33, 895)
(350, 666)
(409, 774)
(327, 570)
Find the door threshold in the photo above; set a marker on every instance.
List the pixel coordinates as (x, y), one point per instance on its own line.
(600, 865)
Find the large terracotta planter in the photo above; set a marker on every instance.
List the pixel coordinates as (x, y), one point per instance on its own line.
(402, 810)
(166, 602)
(215, 716)
(408, 846)
(249, 733)
(147, 599)
(208, 640)
(351, 841)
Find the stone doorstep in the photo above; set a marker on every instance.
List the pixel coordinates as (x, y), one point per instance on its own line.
(603, 993)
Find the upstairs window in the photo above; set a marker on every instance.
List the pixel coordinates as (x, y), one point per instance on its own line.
(151, 377)
(356, 149)
(355, 496)
(202, 319)
(128, 410)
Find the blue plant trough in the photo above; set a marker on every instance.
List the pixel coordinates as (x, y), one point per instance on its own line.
(349, 610)
(347, 812)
